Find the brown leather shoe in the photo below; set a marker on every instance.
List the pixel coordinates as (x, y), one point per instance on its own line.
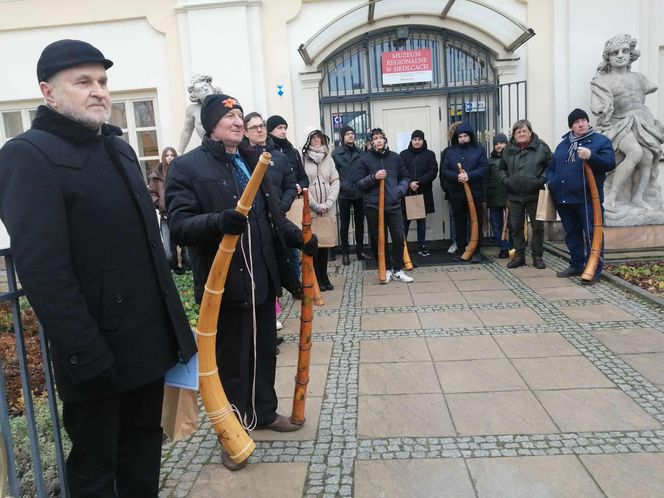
(281, 424)
(228, 462)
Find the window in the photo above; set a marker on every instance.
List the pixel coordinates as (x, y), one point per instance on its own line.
(137, 119)
(13, 122)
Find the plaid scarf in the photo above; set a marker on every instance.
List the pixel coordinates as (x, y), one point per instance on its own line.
(574, 144)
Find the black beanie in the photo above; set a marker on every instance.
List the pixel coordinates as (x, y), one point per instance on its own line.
(417, 134)
(344, 130)
(500, 138)
(274, 121)
(576, 114)
(214, 108)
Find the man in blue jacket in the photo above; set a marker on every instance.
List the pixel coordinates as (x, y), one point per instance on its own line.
(465, 151)
(568, 187)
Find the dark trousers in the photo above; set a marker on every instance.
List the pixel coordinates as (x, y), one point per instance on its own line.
(393, 223)
(461, 222)
(577, 220)
(345, 206)
(518, 212)
(496, 214)
(116, 444)
(235, 358)
(320, 266)
(421, 231)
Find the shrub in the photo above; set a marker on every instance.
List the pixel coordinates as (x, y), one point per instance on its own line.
(19, 428)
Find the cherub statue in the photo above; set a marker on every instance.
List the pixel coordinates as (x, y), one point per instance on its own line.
(618, 102)
(199, 88)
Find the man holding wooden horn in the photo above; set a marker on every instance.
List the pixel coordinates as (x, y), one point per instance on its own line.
(569, 187)
(202, 190)
(378, 164)
(87, 248)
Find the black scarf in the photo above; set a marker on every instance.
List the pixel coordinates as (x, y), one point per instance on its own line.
(282, 143)
(60, 125)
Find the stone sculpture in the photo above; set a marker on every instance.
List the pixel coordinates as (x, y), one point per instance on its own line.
(632, 193)
(199, 88)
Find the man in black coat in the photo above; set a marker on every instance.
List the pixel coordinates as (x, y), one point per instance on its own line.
(202, 191)
(377, 164)
(347, 160)
(280, 171)
(87, 248)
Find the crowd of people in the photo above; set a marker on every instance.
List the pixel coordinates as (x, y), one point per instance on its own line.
(88, 246)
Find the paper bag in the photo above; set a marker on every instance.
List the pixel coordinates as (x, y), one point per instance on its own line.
(325, 228)
(546, 209)
(294, 214)
(179, 416)
(415, 207)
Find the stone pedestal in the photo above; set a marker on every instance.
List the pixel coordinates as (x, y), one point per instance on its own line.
(644, 237)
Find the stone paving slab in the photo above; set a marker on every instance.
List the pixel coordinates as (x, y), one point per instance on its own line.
(632, 340)
(638, 475)
(584, 415)
(425, 478)
(559, 476)
(595, 410)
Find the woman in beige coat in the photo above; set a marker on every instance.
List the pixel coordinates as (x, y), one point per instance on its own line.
(323, 192)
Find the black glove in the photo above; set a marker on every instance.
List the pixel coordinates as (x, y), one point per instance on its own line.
(105, 380)
(231, 222)
(311, 247)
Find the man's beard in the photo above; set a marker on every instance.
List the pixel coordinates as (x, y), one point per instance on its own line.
(89, 119)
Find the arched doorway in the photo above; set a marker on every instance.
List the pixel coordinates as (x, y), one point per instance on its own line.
(454, 80)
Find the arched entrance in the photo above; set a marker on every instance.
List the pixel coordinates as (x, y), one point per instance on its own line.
(416, 77)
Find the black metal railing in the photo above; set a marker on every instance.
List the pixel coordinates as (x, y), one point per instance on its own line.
(11, 294)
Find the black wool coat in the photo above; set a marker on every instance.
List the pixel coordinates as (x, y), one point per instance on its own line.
(347, 161)
(422, 167)
(199, 186)
(86, 243)
(294, 158)
(473, 159)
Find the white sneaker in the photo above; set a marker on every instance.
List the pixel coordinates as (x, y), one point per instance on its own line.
(401, 276)
(388, 276)
(452, 248)
(279, 325)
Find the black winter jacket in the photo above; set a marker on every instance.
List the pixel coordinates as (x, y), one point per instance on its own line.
(422, 167)
(87, 248)
(495, 189)
(473, 159)
(282, 176)
(294, 158)
(200, 184)
(347, 161)
(396, 182)
(524, 170)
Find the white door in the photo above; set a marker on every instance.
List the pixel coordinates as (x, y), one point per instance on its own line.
(399, 118)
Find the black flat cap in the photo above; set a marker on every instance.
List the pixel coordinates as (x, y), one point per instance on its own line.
(64, 54)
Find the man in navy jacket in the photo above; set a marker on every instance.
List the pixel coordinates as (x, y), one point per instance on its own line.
(569, 188)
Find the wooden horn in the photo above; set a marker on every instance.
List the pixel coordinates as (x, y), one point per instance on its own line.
(407, 263)
(306, 320)
(382, 270)
(598, 235)
(230, 432)
(472, 214)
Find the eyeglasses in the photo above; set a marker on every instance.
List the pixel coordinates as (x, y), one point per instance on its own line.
(257, 127)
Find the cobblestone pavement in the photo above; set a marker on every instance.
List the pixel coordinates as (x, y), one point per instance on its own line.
(475, 379)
